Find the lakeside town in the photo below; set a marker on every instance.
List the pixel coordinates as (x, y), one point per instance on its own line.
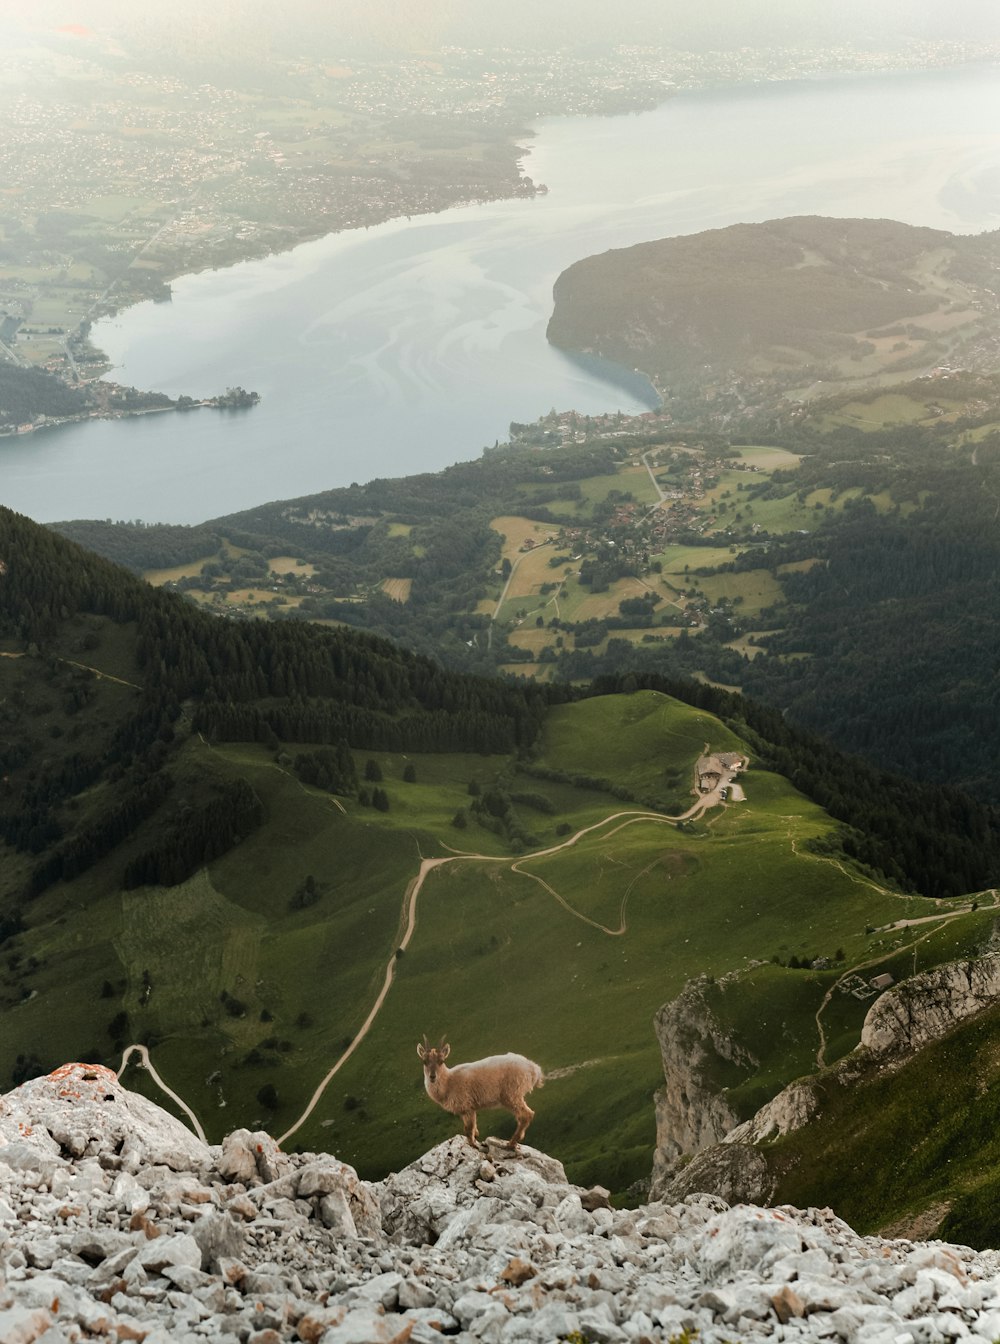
(117, 180)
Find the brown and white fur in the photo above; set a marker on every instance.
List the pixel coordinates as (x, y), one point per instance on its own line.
(497, 1082)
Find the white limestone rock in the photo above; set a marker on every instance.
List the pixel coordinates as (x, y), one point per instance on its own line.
(927, 1006)
(691, 1113)
(345, 1201)
(83, 1109)
(500, 1250)
(419, 1202)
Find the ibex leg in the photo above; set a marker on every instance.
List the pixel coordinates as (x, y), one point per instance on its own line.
(524, 1116)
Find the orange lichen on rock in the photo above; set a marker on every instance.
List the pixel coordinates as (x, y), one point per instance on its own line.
(89, 1073)
(81, 1073)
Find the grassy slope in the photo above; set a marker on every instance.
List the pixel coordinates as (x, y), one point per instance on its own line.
(895, 1144)
(498, 960)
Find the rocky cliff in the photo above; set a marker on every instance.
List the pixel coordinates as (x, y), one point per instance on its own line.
(901, 1022)
(927, 1006)
(117, 1224)
(691, 1111)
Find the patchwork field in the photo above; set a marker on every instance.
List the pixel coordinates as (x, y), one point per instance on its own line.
(754, 589)
(397, 589)
(891, 408)
(515, 531)
(290, 564)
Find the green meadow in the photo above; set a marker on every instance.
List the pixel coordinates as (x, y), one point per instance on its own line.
(564, 952)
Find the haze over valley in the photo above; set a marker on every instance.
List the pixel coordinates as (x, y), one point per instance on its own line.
(498, 538)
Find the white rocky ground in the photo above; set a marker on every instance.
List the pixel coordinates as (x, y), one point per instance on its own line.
(116, 1223)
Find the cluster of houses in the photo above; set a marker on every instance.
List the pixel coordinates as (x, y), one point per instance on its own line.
(719, 770)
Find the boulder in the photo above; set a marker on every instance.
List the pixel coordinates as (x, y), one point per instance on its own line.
(83, 1109)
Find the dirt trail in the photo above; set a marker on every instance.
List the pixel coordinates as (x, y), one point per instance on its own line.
(936, 920)
(427, 866)
(146, 1063)
(70, 662)
(409, 918)
(104, 676)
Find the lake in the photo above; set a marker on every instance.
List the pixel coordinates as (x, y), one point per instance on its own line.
(408, 346)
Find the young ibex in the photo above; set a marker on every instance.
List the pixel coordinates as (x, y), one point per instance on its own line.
(495, 1082)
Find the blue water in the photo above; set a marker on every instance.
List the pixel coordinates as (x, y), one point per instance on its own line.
(405, 347)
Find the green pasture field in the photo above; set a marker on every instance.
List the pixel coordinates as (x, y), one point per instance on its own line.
(637, 741)
(578, 603)
(769, 459)
(636, 636)
(758, 588)
(515, 530)
(787, 514)
(979, 433)
(891, 408)
(191, 570)
(725, 485)
(290, 564)
(529, 637)
(528, 671)
(634, 478)
(743, 644)
(799, 566)
(675, 558)
(595, 490)
(885, 503)
(565, 955)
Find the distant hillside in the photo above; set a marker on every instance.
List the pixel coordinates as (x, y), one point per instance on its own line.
(801, 298)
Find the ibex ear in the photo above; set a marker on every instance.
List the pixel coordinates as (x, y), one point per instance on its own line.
(421, 1052)
(445, 1051)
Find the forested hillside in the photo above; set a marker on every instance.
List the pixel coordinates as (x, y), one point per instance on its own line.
(26, 393)
(838, 299)
(249, 682)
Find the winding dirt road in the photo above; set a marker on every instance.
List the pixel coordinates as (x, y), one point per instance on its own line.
(409, 915)
(427, 866)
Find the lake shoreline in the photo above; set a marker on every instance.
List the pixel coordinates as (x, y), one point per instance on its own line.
(709, 88)
(411, 346)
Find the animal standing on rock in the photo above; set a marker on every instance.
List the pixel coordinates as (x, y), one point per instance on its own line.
(497, 1082)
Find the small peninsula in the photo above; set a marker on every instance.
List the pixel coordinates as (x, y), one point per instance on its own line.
(33, 399)
(793, 307)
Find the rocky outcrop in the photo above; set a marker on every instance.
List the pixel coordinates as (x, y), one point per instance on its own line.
(155, 1236)
(737, 1172)
(792, 1108)
(927, 1006)
(691, 1112)
(902, 1021)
